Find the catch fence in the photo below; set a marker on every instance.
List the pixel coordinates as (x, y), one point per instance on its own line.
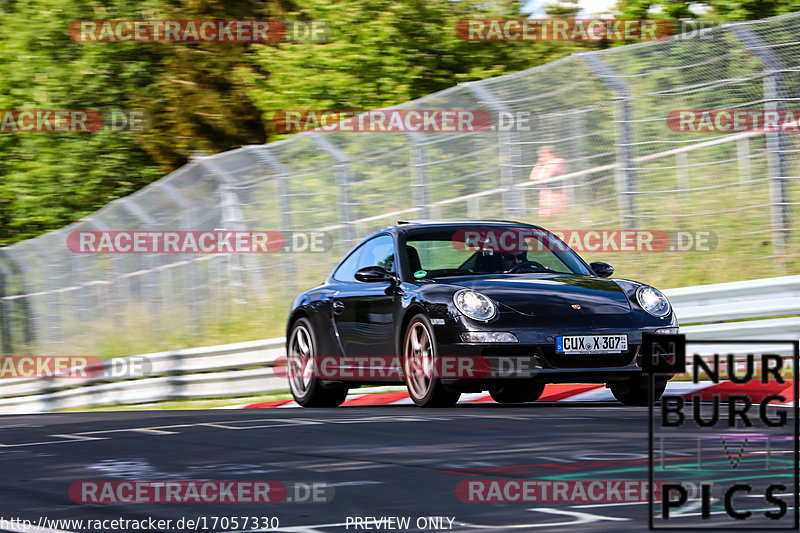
(601, 115)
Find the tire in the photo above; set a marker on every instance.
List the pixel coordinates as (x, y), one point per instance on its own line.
(419, 354)
(517, 392)
(634, 392)
(307, 388)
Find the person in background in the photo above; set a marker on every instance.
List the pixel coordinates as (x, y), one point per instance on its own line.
(551, 201)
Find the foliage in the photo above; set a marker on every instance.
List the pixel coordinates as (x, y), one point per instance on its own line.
(210, 97)
(712, 10)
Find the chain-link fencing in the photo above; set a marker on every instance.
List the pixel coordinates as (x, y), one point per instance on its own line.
(601, 114)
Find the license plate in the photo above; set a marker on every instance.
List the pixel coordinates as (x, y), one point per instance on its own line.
(589, 344)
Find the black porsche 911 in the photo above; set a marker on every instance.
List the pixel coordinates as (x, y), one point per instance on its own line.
(456, 306)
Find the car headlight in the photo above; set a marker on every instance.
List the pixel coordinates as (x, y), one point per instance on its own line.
(653, 301)
(474, 305)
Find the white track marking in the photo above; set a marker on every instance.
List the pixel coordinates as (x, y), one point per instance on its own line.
(153, 431)
(617, 504)
(578, 518)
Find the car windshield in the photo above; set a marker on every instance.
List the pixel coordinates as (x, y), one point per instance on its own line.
(436, 252)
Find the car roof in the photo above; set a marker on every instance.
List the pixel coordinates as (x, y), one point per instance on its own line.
(407, 225)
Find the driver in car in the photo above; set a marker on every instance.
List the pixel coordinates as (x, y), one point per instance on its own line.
(510, 260)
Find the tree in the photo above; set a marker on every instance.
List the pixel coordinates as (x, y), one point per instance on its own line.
(384, 52)
(713, 10)
(48, 180)
(212, 97)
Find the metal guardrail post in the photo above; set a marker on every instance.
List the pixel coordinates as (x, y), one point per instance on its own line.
(342, 180)
(507, 148)
(86, 312)
(54, 310)
(417, 160)
(578, 126)
(173, 194)
(193, 299)
(6, 317)
(626, 171)
(743, 155)
(27, 314)
(232, 216)
(282, 174)
(774, 93)
(152, 289)
(121, 284)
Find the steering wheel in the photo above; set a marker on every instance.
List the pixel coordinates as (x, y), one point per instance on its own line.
(517, 268)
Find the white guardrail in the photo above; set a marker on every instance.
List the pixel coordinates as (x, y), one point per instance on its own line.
(763, 309)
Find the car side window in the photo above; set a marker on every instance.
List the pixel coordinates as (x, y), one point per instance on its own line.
(378, 251)
(347, 270)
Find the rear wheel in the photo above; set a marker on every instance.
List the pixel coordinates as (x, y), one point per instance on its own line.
(634, 391)
(419, 366)
(517, 392)
(304, 384)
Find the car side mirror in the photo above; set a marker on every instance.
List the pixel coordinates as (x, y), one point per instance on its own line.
(372, 274)
(603, 270)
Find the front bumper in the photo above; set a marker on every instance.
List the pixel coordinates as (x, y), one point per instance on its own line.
(541, 363)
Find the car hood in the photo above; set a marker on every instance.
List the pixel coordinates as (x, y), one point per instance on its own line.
(550, 295)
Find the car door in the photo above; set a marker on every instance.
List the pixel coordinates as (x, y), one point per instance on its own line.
(363, 312)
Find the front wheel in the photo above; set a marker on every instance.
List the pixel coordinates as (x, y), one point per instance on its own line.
(301, 369)
(420, 365)
(517, 392)
(634, 391)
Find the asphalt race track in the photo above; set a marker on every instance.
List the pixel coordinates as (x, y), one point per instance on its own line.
(381, 461)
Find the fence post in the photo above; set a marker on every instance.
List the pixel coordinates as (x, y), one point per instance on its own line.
(27, 315)
(420, 188)
(52, 332)
(6, 344)
(577, 123)
(342, 180)
(193, 299)
(151, 289)
(743, 155)
(123, 294)
(626, 171)
(507, 148)
(282, 174)
(776, 143)
(232, 216)
(81, 297)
